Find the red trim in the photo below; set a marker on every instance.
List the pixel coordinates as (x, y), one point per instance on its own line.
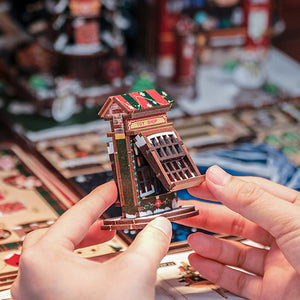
(124, 102)
(157, 97)
(141, 100)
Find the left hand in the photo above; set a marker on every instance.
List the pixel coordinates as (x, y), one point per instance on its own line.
(49, 268)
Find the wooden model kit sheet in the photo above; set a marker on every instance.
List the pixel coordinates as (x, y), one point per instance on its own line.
(176, 279)
(31, 198)
(26, 203)
(76, 155)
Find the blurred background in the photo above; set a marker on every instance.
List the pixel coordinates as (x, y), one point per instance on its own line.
(73, 54)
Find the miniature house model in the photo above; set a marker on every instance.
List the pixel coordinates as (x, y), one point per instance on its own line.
(149, 160)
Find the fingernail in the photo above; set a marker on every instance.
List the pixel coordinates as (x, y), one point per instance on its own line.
(217, 175)
(163, 225)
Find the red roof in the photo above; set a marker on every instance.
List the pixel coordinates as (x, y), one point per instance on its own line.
(136, 101)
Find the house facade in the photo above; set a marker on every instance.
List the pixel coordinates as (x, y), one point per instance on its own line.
(149, 160)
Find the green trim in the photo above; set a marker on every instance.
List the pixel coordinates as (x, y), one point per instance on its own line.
(150, 203)
(128, 193)
(165, 95)
(10, 246)
(55, 204)
(151, 100)
(44, 192)
(132, 101)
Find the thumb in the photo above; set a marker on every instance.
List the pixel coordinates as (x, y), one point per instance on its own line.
(152, 243)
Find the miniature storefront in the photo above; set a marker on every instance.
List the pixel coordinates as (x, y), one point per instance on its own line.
(149, 160)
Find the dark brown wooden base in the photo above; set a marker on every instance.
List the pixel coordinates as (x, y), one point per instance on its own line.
(121, 223)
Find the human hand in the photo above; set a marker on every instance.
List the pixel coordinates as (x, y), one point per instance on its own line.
(49, 268)
(259, 210)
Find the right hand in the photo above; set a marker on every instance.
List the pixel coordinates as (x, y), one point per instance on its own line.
(256, 209)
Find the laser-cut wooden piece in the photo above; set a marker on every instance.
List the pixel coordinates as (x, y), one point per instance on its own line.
(149, 160)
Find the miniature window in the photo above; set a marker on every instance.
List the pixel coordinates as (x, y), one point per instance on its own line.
(166, 145)
(146, 178)
(145, 181)
(167, 157)
(178, 169)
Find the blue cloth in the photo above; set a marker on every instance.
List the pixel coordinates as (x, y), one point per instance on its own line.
(249, 160)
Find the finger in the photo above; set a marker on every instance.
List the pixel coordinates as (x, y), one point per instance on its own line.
(278, 190)
(33, 237)
(278, 267)
(279, 217)
(220, 219)
(96, 236)
(104, 258)
(275, 189)
(229, 253)
(150, 246)
(72, 226)
(201, 191)
(237, 282)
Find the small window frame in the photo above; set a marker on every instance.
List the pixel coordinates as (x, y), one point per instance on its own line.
(169, 159)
